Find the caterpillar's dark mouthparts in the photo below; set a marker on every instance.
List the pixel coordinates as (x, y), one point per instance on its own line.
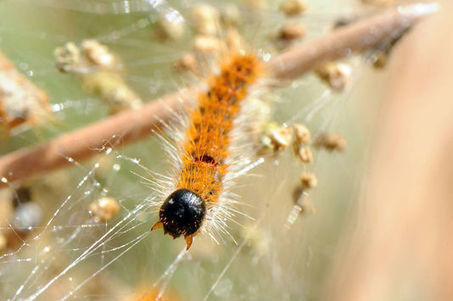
(182, 213)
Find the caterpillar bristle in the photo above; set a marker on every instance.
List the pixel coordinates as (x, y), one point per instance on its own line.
(212, 153)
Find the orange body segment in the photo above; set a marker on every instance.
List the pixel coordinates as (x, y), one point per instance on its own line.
(208, 138)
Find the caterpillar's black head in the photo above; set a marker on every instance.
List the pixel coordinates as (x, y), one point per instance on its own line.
(182, 213)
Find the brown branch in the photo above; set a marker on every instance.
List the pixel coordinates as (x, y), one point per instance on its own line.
(355, 37)
(133, 125)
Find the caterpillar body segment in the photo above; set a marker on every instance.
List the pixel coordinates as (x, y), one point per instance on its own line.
(206, 151)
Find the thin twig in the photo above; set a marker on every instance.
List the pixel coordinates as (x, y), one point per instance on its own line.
(133, 125)
(355, 37)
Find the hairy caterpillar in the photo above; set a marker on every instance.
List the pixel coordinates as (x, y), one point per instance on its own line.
(207, 147)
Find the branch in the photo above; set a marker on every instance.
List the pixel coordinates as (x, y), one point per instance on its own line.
(133, 125)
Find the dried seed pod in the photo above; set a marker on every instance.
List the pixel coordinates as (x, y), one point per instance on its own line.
(302, 134)
(293, 7)
(308, 180)
(20, 101)
(265, 140)
(187, 62)
(291, 32)
(280, 138)
(97, 68)
(304, 154)
(206, 44)
(104, 209)
(204, 19)
(275, 137)
(91, 55)
(98, 54)
(334, 74)
(67, 57)
(170, 25)
(331, 142)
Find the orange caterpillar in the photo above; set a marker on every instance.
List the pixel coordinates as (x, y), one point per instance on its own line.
(207, 147)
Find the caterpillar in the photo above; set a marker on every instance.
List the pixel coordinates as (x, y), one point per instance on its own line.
(206, 149)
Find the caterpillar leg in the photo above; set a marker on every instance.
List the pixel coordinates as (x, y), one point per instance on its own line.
(157, 226)
(188, 239)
